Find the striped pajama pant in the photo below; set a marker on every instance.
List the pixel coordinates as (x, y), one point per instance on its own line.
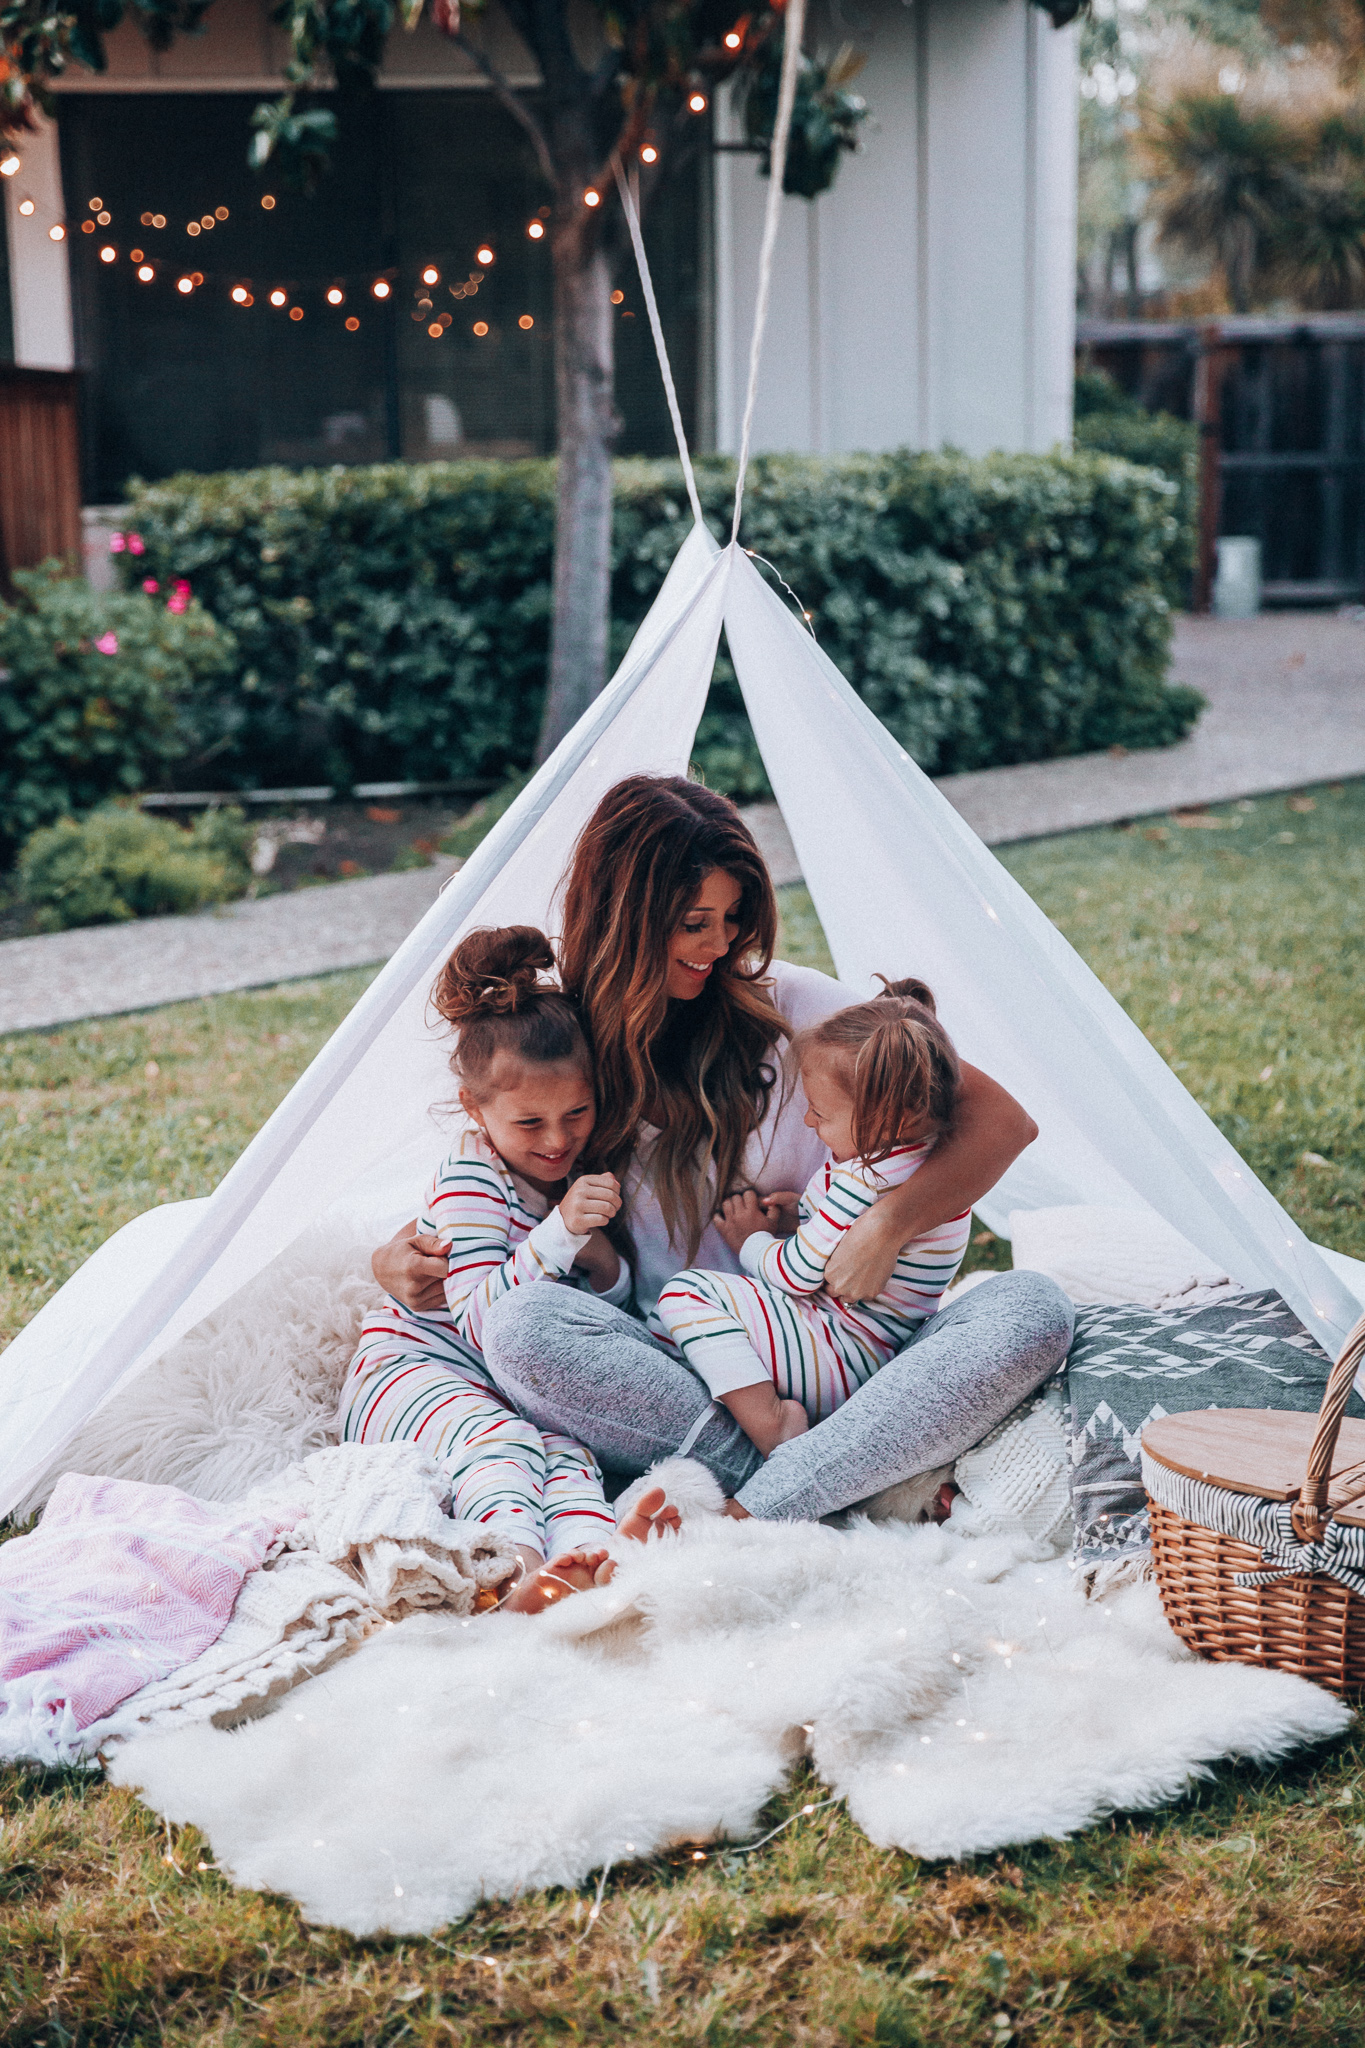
(725, 1323)
(544, 1489)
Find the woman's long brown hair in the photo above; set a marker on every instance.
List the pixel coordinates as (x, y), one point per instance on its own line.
(702, 1070)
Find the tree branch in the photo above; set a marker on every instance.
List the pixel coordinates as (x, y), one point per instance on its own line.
(505, 94)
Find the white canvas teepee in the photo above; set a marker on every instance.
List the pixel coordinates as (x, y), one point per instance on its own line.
(901, 885)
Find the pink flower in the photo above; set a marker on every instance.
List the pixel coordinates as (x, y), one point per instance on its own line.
(177, 603)
(136, 544)
(150, 585)
(117, 543)
(182, 588)
(107, 643)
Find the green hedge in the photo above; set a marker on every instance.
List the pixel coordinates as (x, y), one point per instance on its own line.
(394, 620)
(1108, 420)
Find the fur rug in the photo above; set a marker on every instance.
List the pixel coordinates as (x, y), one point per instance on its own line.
(960, 1695)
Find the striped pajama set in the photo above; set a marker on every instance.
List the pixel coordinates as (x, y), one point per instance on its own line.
(778, 1323)
(422, 1377)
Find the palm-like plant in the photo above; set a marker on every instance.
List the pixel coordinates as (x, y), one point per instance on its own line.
(1226, 178)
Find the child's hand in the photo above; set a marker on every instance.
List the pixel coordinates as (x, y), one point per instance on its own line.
(783, 1211)
(590, 1203)
(739, 1216)
(600, 1262)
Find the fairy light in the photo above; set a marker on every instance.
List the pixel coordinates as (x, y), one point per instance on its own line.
(535, 229)
(145, 273)
(649, 154)
(431, 275)
(158, 220)
(96, 205)
(196, 277)
(485, 256)
(481, 328)
(206, 220)
(734, 40)
(296, 312)
(87, 227)
(108, 254)
(57, 234)
(592, 198)
(268, 201)
(618, 298)
(352, 324)
(696, 103)
(239, 295)
(220, 213)
(436, 330)
(336, 296)
(26, 207)
(8, 165)
(135, 255)
(526, 322)
(192, 227)
(104, 217)
(278, 298)
(381, 288)
(184, 284)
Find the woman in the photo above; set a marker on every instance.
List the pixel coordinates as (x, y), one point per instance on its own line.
(669, 927)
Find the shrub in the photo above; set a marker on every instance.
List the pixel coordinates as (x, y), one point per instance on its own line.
(118, 864)
(394, 620)
(1108, 420)
(91, 689)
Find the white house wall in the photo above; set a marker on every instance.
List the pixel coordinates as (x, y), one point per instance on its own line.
(39, 280)
(928, 297)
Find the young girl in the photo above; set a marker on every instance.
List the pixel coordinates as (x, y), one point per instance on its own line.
(777, 1349)
(504, 1207)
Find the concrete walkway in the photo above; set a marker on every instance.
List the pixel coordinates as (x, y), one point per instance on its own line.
(1286, 707)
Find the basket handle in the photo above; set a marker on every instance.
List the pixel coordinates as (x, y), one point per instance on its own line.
(1308, 1513)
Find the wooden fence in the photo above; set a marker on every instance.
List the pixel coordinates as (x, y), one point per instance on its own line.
(40, 469)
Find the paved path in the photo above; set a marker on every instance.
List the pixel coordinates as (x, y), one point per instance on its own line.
(1286, 707)
(106, 969)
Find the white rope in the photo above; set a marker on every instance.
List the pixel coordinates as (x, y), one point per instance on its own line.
(632, 214)
(786, 96)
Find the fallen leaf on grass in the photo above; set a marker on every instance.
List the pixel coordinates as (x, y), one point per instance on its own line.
(1301, 803)
(1198, 821)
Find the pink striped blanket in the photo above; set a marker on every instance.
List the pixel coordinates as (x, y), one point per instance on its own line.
(119, 1584)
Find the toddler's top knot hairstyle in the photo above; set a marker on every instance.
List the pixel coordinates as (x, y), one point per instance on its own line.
(898, 1063)
(491, 990)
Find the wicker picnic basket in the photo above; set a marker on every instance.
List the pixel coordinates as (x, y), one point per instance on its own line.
(1258, 1532)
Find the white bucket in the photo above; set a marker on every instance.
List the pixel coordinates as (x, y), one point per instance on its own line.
(1237, 586)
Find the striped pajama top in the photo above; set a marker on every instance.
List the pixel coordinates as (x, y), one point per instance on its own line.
(835, 1197)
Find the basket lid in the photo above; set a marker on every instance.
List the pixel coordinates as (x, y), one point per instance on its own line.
(1260, 1451)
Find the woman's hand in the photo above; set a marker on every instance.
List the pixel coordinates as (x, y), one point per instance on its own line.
(412, 1268)
(590, 1203)
(989, 1132)
(739, 1216)
(599, 1262)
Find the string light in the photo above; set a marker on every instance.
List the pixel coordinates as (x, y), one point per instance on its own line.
(145, 273)
(618, 298)
(482, 255)
(296, 312)
(104, 218)
(87, 227)
(108, 254)
(240, 294)
(336, 296)
(526, 321)
(697, 102)
(135, 255)
(207, 220)
(536, 230)
(481, 328)
(268, 201)
(196, 277)
(649, 154)
(158, 220)
(591, 198)
(26, 207)
(733, 40)
(431, 275)
(193, 228)
(278, 298)
(436, 330)
(381, 288)
(96, 205)
(8, 165)
(220, 213)
(184, 284)
(57, 234)
(352, 324)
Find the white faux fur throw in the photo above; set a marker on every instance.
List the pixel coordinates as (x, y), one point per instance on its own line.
(959, 1695)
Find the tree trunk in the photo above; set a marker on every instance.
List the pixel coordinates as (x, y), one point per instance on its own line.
(585, 398)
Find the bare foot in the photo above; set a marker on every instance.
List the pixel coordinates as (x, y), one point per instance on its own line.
(577, 1571)
(652, 1515)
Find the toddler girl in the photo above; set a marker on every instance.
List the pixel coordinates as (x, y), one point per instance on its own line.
(776, 1348)
(503, 1205)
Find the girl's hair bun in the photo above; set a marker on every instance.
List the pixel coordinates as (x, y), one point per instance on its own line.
(913, 989)
(493, 973)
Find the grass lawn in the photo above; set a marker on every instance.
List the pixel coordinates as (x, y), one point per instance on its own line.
(1231, 1919)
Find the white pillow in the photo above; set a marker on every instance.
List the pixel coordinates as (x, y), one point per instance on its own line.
(1116, 1256)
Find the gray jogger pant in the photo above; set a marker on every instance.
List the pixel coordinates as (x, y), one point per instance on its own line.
(570, 1362)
